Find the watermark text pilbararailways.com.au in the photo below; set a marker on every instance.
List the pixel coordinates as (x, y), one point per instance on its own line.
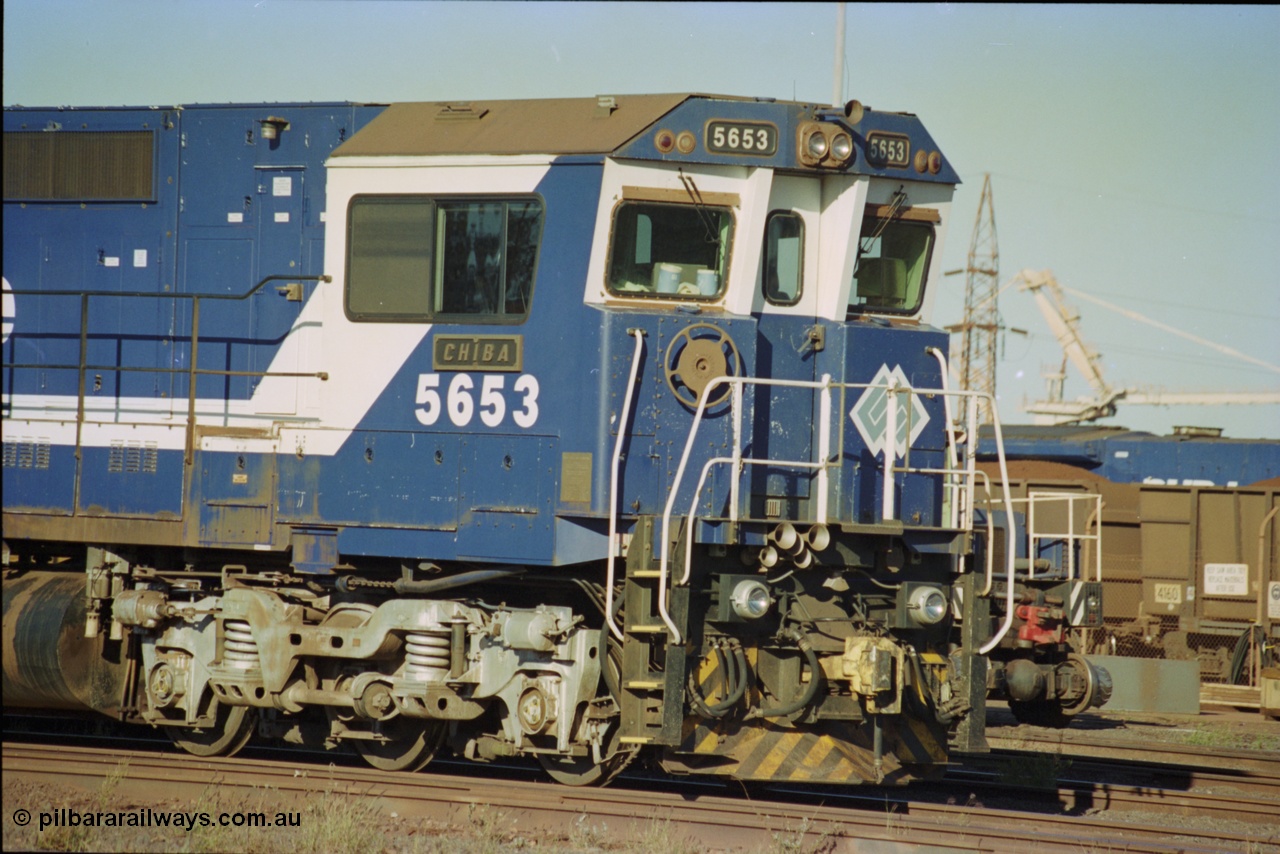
(149, 818)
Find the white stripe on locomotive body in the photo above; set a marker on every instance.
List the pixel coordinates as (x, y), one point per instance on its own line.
(361, 359)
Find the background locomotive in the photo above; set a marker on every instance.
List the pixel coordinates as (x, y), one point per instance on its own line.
(1188, 531)
(563, 428)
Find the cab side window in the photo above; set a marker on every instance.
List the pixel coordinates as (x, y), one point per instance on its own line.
(412, 258)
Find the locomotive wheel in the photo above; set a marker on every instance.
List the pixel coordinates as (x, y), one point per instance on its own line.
(231, 731)
(411, 745)
(1044, 713)
(582, 770)
(697, 355)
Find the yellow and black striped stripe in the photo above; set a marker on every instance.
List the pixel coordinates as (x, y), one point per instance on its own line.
(832, 752)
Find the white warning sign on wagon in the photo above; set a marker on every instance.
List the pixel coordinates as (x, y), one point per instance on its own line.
(1273, 600)
(1226, 579)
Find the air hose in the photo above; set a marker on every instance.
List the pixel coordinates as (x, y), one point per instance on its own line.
(405, 587)
(733, 670)
(809, 692)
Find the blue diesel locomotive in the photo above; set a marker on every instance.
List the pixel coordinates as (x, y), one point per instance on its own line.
(575, 429)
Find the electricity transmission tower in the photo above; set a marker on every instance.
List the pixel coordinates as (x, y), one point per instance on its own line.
(981, 314)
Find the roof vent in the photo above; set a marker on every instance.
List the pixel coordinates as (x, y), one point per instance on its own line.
(1198, 432)
(455, 112)
(605, 105)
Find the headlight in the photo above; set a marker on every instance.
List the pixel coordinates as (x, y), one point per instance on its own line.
(816, 145)
(824, 145)
(751, 599)
(842, 147)
(927, 605)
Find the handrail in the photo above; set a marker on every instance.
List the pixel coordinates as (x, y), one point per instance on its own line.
(891, 449)
(324, 277)
(1262, 590)
(824, 448)
(952, 461)
(969, 474)
(623, 425)
(706, 469)
(1069, 536)
(1007, 623)
(684, 461)
(194, 340)
(991, 528)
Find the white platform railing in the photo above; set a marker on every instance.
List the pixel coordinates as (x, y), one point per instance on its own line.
(959, 481)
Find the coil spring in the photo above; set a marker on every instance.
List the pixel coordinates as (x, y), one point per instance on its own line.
(239, 649)
(427, 655)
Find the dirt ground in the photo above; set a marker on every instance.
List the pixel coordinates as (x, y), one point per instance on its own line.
(1216, 726)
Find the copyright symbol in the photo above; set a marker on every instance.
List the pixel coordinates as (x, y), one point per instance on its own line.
(21, 817)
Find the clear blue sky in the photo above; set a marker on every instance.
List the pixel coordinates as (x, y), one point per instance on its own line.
(1133, 148)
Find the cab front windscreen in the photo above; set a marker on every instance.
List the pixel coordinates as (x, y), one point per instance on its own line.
(892, 266)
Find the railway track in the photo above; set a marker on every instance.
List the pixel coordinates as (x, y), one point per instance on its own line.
(1085, 745)
(837, 820)
(1048, 774)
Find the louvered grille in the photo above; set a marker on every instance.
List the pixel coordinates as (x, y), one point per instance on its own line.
(79, 166)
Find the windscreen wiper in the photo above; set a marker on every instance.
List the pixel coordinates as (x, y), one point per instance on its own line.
(700, 206)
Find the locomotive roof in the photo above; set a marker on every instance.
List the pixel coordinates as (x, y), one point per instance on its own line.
(543, 126)
(618, 126)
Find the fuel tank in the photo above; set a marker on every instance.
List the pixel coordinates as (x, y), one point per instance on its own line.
(48, 663)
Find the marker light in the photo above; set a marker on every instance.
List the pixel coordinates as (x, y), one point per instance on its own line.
(664, 141)
(927, 605)
(751, 599)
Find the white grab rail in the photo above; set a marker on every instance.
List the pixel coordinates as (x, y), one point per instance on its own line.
(969, 474)
(1093, 503)
(615, 464)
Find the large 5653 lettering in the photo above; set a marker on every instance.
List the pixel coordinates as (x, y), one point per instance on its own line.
(464, 399)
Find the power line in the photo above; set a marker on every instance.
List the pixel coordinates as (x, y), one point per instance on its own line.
(1137, 199)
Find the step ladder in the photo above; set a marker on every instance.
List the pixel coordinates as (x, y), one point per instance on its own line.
(653, 668)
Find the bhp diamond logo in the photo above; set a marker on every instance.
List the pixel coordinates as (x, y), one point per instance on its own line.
(871, 413)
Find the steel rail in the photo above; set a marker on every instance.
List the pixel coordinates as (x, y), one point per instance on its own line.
(714, 820)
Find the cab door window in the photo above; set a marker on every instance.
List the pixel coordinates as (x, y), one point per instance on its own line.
(783, 257)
